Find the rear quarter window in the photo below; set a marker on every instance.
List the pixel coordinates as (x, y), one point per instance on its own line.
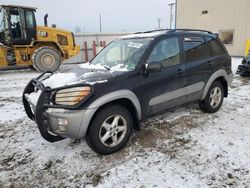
(214, 47)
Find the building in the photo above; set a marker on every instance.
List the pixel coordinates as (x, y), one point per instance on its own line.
(229, 18)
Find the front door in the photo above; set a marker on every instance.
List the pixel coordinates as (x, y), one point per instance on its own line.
(164, 89)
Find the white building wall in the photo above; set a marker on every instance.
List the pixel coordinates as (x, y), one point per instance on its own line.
(221, 15)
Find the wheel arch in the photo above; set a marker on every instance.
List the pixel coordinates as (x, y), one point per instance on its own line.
(221, 76)
(224, 84)
(125, 98)
(125, 102)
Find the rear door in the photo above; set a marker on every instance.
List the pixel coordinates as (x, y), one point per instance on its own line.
(219, 56)
(164, 89)
(198, 65)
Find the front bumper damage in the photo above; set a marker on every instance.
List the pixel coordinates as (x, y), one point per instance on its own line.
(55, 122)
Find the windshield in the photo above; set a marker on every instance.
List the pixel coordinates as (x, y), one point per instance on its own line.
(123, 54)
(2, 19)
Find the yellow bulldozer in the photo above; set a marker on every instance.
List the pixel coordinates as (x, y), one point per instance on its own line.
(24, 44)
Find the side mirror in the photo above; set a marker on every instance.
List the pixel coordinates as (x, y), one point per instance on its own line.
(153, 67)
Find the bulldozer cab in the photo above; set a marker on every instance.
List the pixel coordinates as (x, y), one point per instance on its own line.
(17, 25)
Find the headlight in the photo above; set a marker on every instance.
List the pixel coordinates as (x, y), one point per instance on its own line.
(72, 96)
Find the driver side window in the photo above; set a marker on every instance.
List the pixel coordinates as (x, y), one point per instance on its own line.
(167, 51)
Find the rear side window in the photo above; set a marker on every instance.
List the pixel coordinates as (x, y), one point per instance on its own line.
(214, 47)
(167, 51)
(194, 48)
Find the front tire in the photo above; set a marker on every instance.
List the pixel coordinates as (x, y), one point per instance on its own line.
(213, 99)
(46, 59)
(110, 130)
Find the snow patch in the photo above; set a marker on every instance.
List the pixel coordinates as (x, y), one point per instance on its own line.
(205, 150)
(33, 97)
(143, 35)
(119, 67)
(60, 80)
(10, 111)
(92, 66)
(96, 82)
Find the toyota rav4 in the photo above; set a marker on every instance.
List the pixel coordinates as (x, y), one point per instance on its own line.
(132, 79)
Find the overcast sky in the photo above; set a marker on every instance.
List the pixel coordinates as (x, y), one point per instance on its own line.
(117, 15)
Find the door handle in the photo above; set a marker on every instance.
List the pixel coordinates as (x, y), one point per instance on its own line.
(179, 71)
(209, 63)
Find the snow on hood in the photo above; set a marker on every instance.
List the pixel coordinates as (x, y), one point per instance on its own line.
(59, 80)
(85, 73)
(54, 81)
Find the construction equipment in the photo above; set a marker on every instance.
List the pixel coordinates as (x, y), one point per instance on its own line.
(24, 44)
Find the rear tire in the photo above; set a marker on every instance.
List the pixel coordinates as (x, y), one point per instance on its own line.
(110, 130)
(213, 99)
(46, 59)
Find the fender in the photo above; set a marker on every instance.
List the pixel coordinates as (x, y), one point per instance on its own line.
(94, 106)
(33, 43)
(217, 74)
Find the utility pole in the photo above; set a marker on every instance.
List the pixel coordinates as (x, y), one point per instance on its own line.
(100, 22)
(159, 23)
(171, 5)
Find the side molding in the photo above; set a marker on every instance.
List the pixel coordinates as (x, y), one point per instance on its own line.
(176, 93)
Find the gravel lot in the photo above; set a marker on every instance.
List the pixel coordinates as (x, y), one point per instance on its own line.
(181, 148)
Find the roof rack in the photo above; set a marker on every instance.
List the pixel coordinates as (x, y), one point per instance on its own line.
(198, 30)
(151, 31)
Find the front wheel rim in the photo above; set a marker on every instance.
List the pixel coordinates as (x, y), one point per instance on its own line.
(113, 130)
(215, 97)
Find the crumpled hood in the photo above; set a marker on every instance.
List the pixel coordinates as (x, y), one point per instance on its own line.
(86, 73)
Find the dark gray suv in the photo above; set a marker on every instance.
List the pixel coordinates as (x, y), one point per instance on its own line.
(132, 79)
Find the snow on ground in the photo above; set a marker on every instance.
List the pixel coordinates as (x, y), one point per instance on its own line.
(181, 148)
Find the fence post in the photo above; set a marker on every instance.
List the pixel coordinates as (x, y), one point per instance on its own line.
(86, 51)
(94, 48)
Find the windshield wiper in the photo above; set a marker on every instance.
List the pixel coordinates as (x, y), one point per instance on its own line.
(106, 67)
